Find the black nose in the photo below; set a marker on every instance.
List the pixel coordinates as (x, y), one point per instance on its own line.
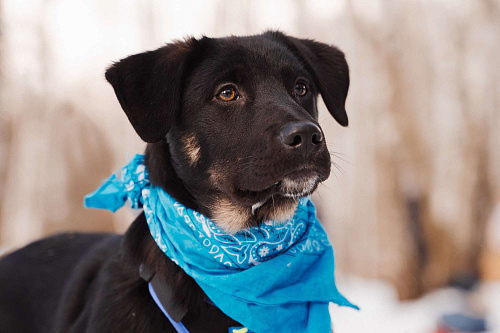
(304, 137)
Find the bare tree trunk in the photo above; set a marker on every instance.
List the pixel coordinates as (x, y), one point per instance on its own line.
(56, 154)
(4, 124)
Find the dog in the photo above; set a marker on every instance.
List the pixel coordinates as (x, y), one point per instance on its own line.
(231, 126)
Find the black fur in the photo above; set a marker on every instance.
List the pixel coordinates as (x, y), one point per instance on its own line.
(223, 159)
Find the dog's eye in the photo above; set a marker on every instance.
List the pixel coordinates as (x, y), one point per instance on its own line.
(300, 89)
(227, 94)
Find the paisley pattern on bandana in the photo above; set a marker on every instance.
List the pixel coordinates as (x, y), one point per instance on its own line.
(135, 176)
(249, 247)
(282, 272)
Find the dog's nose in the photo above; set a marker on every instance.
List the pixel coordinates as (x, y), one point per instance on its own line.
(304, 137)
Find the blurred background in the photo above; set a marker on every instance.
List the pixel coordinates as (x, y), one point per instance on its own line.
(413, 207)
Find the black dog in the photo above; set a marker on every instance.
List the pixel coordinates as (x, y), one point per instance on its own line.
(232, 130)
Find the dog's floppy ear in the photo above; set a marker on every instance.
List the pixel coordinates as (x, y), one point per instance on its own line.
(147, 86)
(329, 69)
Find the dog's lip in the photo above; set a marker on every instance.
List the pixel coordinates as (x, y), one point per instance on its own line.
(304, 172)
(251, 196)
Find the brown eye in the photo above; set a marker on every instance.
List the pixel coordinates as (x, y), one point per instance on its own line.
(300, 89)
(228, 94)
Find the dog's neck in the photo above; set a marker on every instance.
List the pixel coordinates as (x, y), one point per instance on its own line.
(162, 173)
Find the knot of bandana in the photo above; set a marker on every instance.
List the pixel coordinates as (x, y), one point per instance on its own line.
(115, 192)
(278, 277)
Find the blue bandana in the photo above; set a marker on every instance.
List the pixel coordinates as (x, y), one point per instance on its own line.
(278, 277)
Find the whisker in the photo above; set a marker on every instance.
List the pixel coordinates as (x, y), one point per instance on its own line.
(333, 145)
(327, 187)
(342, 159)
(338, 153)
(338, 167)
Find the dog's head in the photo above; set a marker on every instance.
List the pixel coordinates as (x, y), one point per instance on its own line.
(232, 123)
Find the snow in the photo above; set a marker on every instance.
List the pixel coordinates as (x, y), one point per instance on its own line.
(381, 311)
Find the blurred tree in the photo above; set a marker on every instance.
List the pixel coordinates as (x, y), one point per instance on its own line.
(4, 124)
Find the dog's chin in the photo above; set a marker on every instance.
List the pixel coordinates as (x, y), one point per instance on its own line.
(299, 184)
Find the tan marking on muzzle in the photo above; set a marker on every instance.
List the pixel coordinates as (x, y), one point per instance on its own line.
(192, 148)
(282, 212)
(215, 177)
(229, 216)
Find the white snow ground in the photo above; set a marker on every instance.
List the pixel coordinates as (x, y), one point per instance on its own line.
(382, 312)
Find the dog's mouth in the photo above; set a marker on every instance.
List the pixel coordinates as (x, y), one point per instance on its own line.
(295, 184)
